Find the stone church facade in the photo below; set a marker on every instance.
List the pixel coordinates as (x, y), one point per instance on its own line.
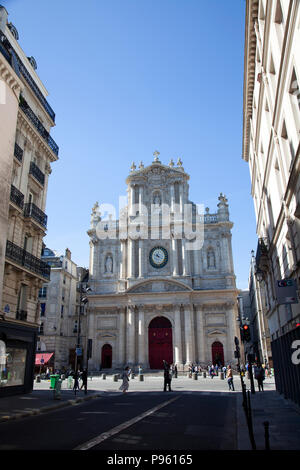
(162, 276)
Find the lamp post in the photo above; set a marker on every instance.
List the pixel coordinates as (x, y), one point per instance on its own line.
(83, 300)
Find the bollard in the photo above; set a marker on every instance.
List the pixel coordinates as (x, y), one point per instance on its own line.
(115, 378)
(141, 378)
(104, 376)
(204, 375)
(38, 378)
(132, 375)
(195, 376)
(222, 376)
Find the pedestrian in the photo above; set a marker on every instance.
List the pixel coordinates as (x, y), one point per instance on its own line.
(224, 371)
(125, 377)
(167, 377)
(230, 378)
(140, 370)
(211, 371)
(259, 374)
(76, 381)
(175, 371)
(84, 378)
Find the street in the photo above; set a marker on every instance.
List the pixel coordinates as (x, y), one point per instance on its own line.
(196, 415)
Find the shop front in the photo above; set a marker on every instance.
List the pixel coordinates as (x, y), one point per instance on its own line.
(17, 357)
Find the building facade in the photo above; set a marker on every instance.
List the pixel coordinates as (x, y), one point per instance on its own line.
(61, 321)
(27, 151)
(271, 147)
(157, 292)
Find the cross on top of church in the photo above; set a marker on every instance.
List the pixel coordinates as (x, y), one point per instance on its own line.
(155, 154)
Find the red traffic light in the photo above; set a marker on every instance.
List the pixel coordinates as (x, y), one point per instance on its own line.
(245, 327)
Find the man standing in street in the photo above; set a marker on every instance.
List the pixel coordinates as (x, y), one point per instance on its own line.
(167, 376)
(84, 380)
(230, 378)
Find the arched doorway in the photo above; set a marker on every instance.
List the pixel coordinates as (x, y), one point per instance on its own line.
(160, 342)
(217, 352)
(106, 356)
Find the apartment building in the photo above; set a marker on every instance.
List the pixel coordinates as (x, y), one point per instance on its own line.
(26, 153)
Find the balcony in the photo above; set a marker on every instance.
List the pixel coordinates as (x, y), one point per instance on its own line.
(15, 62)
(24, 106)
(37, 173)
(17, 197)
(18, 153)
(31, 210)
(21, 315)
(27, 260)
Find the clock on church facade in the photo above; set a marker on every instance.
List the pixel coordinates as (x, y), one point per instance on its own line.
(153, 297)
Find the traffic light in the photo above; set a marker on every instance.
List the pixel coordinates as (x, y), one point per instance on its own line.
(246, 333)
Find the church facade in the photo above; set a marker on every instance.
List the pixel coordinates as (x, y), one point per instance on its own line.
(162, 276)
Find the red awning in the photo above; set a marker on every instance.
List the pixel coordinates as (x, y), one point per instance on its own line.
(42, 358)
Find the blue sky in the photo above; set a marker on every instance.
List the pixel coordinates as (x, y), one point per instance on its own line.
(126, 78)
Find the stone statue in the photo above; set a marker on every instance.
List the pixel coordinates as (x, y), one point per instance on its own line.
(156, 199)
(211, 261)
(109, 264)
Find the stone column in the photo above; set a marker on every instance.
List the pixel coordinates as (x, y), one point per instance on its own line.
(141, 258)
(141, 337)
(172, 198)
(131, 258)
(132, 201)
(200, 334)
(189, 334)
(185, 259)
(121, 336)
(177, 336)
(130, 335)
(174, 257)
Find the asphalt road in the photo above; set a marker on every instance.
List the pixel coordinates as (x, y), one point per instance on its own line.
(135, 421)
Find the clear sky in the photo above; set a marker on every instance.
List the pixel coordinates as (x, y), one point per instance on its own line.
(126, 78)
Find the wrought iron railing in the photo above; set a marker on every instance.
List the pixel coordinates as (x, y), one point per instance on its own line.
(6, 50)
(31, 210)
(37, 173)
(18, 152)
(27, 260)
(16, 197)
(21, 315)
(38, 125)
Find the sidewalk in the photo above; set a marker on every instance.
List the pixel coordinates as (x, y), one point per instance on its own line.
(283, 416)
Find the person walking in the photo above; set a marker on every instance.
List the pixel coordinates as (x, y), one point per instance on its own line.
(84, 378)
(167, 377)
(230, 378)
(259, 374)
(76, 381)
(125, 377)
(224, 371)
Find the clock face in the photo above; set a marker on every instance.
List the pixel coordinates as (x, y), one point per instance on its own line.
(158, 257)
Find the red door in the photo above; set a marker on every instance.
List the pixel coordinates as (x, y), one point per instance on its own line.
(217, 353)
(160, 342)
(106, 356)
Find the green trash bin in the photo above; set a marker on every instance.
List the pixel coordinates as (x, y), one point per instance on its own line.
(53, 379)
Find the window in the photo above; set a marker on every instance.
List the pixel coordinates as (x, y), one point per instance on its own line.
(295, 97)
(43, 292)
(43, 309)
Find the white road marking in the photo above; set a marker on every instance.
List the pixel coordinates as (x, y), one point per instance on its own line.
(106, 435)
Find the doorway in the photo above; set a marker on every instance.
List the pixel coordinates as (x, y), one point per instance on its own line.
(160, 342)
(106, 356)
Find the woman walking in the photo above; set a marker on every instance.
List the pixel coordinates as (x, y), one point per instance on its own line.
(125, 377)
(230, 378)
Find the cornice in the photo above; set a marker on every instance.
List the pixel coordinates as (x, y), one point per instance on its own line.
(249, 71)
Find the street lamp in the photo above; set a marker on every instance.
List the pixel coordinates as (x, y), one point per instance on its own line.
(83, 300)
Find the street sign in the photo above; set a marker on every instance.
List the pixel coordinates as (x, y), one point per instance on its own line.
(286, 291)
(78, 352)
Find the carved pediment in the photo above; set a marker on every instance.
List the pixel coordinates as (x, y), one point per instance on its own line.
(158, 285)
